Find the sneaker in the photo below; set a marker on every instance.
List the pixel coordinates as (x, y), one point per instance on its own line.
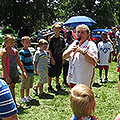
(42, 93)
(29, 98)
(100, 80)
(58, 87)
(24, 100)
(106, 80)
(50, 89)
(35, 91)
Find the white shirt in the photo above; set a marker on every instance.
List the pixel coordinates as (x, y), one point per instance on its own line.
(104, 52)
(80, 70)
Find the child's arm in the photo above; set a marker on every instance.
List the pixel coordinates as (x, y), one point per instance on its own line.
(35, 67)
(118, 60)
(3, 57)
(98, 57)
(21, 65)
(52, 59)
(110, 58)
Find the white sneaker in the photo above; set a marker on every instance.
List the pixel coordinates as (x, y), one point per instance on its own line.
(30, 98)
(24, 100)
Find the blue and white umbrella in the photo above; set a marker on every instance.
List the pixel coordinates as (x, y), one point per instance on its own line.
(77, 20)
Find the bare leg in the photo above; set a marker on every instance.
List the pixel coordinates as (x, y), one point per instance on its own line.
(41, 87)
(57, 80)
(49, 80)
(100, 72)
(27, 92)
(12, 89)
(106, 73)
(22, 93)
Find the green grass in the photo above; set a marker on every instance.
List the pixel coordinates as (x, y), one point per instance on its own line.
(57, 106)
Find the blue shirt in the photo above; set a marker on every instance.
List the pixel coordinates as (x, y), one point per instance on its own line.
(7, 105)
(26, 58)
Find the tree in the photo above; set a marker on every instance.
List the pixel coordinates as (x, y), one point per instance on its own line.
(102, 11)
(18, 12)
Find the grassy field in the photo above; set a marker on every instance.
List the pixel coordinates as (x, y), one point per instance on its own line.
(57, 106)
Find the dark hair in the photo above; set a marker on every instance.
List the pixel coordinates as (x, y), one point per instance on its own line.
(104, 34)
(69, 31)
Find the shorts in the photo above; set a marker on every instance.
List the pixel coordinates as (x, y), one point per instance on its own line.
(43, 76)
(14, 80)
(27, 83)
(118, 69)
(106, 67)
(54, 70)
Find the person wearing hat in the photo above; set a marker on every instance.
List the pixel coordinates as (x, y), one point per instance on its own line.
(56, 46)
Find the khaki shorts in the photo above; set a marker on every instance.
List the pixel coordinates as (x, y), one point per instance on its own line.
(43, 76)
(27, 83)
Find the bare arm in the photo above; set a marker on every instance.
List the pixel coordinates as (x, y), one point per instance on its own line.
(3, 58)
(67, 53)
(13, 117)
(87, 56)
(21, 65)
(118, 60)
(52, 59)
(35, 67)
(110, 39)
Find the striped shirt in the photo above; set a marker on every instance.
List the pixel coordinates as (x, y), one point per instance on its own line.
(7, 105)
(26, 58)
(41, 58)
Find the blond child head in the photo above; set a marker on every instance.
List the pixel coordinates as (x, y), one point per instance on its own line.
(82, 101)
(8, 37)
(42, 42)
(25, 38)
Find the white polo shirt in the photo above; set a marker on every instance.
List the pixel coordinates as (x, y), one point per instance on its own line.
(80, 70)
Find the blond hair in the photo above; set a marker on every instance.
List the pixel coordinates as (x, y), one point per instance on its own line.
(25, 38)
(83, 26)
(82, 101)
(42, 42)
(8, 37)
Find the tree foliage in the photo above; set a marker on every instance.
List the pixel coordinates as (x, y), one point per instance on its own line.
(43, 12)
(18, 12)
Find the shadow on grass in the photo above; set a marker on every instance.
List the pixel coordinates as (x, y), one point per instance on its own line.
(21, 110)
(112, 82)
(61, 92)
(46, 96)
(96, 85)
(33, 103)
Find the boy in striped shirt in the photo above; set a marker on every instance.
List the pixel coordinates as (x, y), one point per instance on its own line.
(26, 59)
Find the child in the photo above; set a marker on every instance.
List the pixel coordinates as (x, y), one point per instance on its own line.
(82, 102)
(69, 40)
(118, 68)
(10, 59)
(104, 55)
(41, 65)
(8, 110)
(26, 59)
(56, 46)
(117, 117)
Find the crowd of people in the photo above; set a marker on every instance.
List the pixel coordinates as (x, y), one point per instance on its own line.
(55, 51)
